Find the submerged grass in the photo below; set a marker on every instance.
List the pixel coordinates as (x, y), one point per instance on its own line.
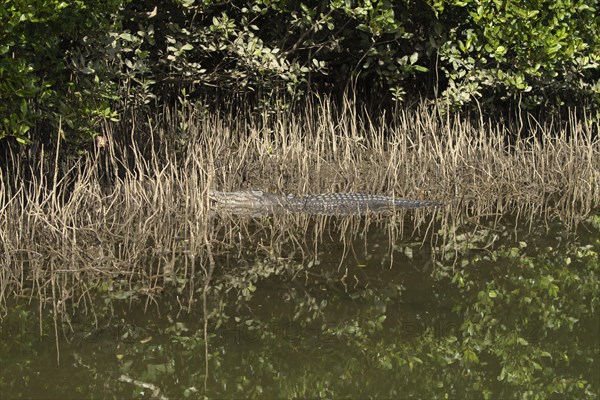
(133, 218)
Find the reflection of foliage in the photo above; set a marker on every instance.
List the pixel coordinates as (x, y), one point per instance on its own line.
(516, 320)
(535, 321)
(528, 315)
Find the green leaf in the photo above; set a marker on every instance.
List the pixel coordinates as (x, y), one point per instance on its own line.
(126, 36)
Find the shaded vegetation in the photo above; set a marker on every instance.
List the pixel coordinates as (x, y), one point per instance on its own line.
(48, 75)
(67, 68)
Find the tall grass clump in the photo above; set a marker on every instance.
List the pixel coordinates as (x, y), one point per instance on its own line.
(132, 217)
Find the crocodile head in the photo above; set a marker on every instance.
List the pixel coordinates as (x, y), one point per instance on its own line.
(251, 202)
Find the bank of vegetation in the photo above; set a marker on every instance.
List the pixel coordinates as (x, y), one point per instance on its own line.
(130, 204)
(67, 69)
(117, 117)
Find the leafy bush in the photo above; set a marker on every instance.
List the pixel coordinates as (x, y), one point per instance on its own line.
(539, 51)
(47, 76)
(272, 45)
(79, 63)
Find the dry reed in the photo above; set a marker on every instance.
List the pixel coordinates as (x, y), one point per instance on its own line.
(135, 215)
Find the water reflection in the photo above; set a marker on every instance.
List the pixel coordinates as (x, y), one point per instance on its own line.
(358, 317)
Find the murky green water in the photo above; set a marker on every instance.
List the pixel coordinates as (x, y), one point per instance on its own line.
(501, 313)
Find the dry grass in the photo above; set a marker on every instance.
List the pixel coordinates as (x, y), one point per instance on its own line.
(135, 214)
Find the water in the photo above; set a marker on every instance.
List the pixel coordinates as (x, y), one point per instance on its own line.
(502, 313)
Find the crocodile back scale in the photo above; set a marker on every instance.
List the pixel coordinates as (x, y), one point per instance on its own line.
(255, 202)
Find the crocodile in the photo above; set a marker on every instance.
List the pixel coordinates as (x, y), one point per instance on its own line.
(256, 202)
